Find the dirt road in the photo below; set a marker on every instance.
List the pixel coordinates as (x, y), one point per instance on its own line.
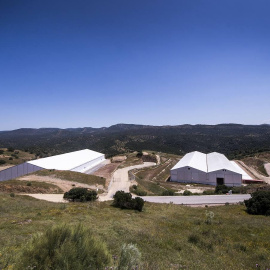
(120, 180)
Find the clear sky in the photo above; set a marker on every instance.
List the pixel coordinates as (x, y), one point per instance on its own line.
(74, 63)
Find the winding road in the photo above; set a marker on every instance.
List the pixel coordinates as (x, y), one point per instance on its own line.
(120, 180)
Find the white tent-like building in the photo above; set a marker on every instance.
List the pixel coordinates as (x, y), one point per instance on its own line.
(78, 161)
(210, 169)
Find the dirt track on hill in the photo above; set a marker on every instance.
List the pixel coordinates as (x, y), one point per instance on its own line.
(63, 184)
(121, 181)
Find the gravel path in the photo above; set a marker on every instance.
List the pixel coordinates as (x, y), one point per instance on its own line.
(49, 197)
(120, 180)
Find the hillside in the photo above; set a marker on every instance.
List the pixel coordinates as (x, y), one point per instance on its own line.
(236, 141)
(168, 236)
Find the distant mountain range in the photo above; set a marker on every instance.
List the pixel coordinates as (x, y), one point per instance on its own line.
(234, 140)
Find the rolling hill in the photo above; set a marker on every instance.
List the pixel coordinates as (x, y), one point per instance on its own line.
(234, 140)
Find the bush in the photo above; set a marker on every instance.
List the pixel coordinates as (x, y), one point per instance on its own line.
(222, 189)
(130, 257)
(10, 149)
(138, 203)
(12, 195)
(2, 162)
(10, 158)
(29, 184)
(168, 192)
(137, 190)
(259, 203)
(1, 151)
(124, 200)
(208, 192)
(187, 193)
(140, 192)
(80, 195)
(64, 247)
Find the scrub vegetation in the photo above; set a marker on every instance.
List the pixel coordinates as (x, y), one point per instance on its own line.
(72, 176)
(80, 195)
(11, 156)
(257, 162)
(234, 140)
(167, 236)
(153, 180)
(18, 186)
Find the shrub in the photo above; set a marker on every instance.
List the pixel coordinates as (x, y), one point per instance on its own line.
(29, 184)
(222, 189)
(130, 257)
(10, 158)
(14, 155)
(194, 239)
(2, 162)
(12, 195)
(208, 192)
(138, 203)
(187, 193)
(1, 151)
(80, 195)
(10, 149)
(168, 192)
(259, 203)
(138, 191)
(124, 200)
(64, 247)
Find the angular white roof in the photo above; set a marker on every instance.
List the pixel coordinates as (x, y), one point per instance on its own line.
(206, 162)
(245, 176)
(217, 161)
(66, 161)
(194, 159)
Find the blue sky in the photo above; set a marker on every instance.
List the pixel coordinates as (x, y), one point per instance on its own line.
(98, 63)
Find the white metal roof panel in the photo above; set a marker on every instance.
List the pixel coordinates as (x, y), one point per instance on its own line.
(245, 176)
(67, 161)
(217, 161)
(196, 160)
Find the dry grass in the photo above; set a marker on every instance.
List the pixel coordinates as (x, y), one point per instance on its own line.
(73, 176)
(257, 162)
(168, 236)
(16, 186)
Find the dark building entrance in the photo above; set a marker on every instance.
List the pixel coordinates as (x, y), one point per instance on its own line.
(220, 181)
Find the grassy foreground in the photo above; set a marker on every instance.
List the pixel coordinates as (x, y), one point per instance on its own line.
(168, 236)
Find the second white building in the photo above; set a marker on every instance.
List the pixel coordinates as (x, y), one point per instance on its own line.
(209, 169)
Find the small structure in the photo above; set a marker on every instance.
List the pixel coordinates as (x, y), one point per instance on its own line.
(210, 169)
(78, 161)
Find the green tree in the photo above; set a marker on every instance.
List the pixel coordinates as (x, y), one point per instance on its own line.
(259, 203)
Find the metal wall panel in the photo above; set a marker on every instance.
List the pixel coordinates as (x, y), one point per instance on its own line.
(17, 171)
